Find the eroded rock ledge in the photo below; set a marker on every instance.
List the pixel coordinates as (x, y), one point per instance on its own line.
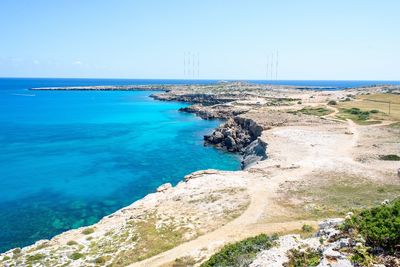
(240, 135)
(222, 111)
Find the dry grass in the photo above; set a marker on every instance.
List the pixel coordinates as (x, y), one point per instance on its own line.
(368, 103)
(153, 240)
(331, 194)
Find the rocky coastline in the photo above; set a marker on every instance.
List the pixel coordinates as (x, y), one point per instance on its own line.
(312, 159)
(237, 134)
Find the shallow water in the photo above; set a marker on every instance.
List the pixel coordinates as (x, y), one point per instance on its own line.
(69, 158)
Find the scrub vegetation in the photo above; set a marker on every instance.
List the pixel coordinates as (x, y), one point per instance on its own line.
(241, 253)
(319, 111)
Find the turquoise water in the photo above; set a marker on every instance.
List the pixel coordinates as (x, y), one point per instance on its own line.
(69, 158)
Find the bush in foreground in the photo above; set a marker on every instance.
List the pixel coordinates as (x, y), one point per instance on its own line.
(241, 253)
(307, 257)
(390, 157)
(379, 226)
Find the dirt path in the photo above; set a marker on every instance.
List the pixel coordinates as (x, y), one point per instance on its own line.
(311, 146)
(298, 151)
(242, 227)
(352, 128)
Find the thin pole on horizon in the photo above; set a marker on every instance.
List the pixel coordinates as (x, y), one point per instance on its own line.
(266, 73)
(193, 62)
(184, 64)
(198, 65)
(276, 69)
(272, 66)
(188, 63)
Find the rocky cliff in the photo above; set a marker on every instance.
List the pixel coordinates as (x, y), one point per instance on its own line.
(239, 134)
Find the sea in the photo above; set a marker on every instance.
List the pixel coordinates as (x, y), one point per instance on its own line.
(69, 158)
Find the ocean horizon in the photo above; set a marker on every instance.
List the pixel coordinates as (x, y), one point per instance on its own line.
(59, 82)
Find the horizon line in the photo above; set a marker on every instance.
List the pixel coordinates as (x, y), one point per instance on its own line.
(201, 79)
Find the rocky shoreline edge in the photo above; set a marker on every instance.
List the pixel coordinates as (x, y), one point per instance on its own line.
(236, 135)
(309, 151)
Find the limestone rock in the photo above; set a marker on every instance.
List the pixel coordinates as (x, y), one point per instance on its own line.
(199, 174)
(164, 187)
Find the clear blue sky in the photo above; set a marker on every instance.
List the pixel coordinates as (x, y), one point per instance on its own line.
(332, 39)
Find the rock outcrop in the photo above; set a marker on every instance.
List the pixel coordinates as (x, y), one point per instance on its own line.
(222, 111)
(330, 251)
(235, 134)
(196, 98)
(230, 136)
(256, 151)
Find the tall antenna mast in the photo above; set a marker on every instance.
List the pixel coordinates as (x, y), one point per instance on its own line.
(198, 65)
(188, 65)
(276, 69)
(193, 72)
(272, 65)
(266, 73)
(184, 64)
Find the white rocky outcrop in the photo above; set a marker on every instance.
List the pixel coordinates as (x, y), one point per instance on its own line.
(164, 187)
(330, 254)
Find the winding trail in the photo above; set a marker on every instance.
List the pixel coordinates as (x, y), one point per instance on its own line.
(264, 183)
(316, 149)
(244, 226)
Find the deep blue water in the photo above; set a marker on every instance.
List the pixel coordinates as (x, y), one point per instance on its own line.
(69, 158)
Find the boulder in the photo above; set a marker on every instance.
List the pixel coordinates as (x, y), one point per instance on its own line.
(230, 143)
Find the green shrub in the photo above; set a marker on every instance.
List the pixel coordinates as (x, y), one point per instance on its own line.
(360, 115)
(100, 260)
(361, 256)
(374, 111)
(390, 157)
(76, 256)
(303, 258)
(319, 111)
(36, 257)
(241, 253)
(332, 102)
(184, 262)
(88, 231)
(379, 226)
(72, 243)
(16, 251)
(307, 228)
